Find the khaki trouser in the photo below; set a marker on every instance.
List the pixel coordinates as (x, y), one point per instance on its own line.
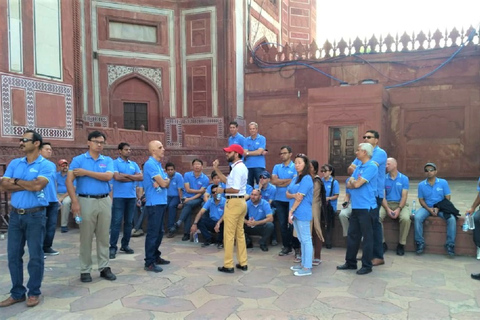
(404, 220)
(65, 210)
(344, 217)
(233, 220)
(96, 217)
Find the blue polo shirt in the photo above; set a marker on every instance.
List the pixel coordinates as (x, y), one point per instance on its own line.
(394, 187)
(154, 196)
(268, 193)
(433, 194)
(125, 189)
(237, 139)
(21, 169)
(260, 211)
(176, 182)
(336, 190)
(478, 185)
(305, 187)
(283, 172)
(89, 185)
(61, 185)
(252, 145)
(194, 182)
(209, 188)
(379, 157)
(215, 210)
(364, 197)
(51, 188)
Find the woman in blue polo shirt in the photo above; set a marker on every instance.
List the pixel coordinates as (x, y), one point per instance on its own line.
(300, 195)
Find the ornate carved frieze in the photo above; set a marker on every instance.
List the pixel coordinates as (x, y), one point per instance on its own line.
(178, 122)
(93, 121)
(115, 72)
(31, 87)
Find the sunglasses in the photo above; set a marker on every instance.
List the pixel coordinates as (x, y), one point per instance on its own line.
(300, 155)
(429, 170)
(323, 170)
(24, 140)
(263, 177)
(368, 137)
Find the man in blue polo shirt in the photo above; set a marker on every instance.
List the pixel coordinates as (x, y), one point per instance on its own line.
(126, 174)
(62, 194)
(259, 219)
(195, 183)
(379, 157)
(395, 203)
(174, 195)
(363, 188)
(155, 184)
(26, 179)
(52, 208)
(268, 192)
(212, 222)
(282, 175)
(255, 150)
(215, 181)
(91, 201)
(430, 192)
(235, 136)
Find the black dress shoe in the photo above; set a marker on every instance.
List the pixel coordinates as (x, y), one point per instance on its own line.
(226, 270)
(186, 237)
(107, 274)
(475, 276)
(161, 261)
(85, 277)
(263, 247)
(127, 250)
(400, 250)
(244, 268)
(385, 247)
(364, 270)
(206, 244)
(346, 266)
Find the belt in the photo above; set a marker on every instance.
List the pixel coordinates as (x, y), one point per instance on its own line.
(98, 196)
(235, 197)
(29, 210)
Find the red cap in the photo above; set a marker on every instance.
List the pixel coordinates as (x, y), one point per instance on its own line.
(235, 148)
(62, 161)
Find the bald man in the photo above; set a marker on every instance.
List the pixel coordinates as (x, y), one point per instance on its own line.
(155, 184)
(394, 204)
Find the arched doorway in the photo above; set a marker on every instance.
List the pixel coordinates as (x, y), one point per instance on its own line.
(135, 102)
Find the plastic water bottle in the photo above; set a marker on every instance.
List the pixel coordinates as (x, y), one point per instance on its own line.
(414, 209)
(465, 225)
(471, 223)
(195, 237)
(78, 219)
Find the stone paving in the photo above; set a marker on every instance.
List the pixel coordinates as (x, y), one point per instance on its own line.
(408, 287)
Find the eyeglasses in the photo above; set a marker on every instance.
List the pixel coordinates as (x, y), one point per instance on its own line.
(429, 170)
(283, 153)
(98, 142)
(368, 137)
(25, 140)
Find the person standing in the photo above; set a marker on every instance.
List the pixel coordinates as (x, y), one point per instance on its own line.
(235, 136)
(155, 184)
(476, 231)
(363, 188)
(26, 179)
(255, 150)
(235, 208)
(332, 191)
(62, 194)
(52, 208)
(318, 209)
(91, 201)
(126, 174)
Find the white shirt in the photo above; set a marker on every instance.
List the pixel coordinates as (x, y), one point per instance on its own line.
(237, 179)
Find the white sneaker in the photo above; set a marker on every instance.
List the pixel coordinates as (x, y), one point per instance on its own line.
(478, 253)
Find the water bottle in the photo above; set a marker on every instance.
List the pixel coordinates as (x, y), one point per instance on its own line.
(465, 226)
(195, 237)
(471, 223)
(78, 219)
(414, 209)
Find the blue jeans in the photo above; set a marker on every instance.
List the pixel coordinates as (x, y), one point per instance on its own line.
(138, 217)
(305, 236)
(377, 231)
(361, 225)
(172, 204)
(254, 175)
(207, 225)
(186, 215)
(423, 214)
(154, 237)
(286, 230)
(29, 228)
(51, 224)
(122, 209)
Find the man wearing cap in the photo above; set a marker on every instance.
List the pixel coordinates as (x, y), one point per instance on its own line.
(281, 177)
(125, 177)
(62, 194)
(259, 219)
(235, 136)
(26, 179)
(268, 192)
(255, 150)
(235, 208)
(430, 192)
(91, 201)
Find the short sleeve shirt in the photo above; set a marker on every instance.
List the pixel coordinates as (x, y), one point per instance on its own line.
(195, 183)
(328, 191)
(215, 210)
(154, 196)
(61, 185)
(364, 197)
(125, 189)
(379, 157)
(433, 194)
(209, 189)
(260, 211)
(237, 139)
(394, 187)
(20, 169)
(305, 187)
(237, 179)
(51, 188)
(283, 172)
(88, 185)
(268, 193)
(252, 145)
(176, 182)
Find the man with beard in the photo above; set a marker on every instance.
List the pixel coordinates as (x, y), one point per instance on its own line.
(62, 194)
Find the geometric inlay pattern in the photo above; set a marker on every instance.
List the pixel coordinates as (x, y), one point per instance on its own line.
(117, 71)
(31, 86)
(178, 122)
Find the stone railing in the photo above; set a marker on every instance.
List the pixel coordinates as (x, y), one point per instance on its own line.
(272, 53)
(116, 135)
(193, 141)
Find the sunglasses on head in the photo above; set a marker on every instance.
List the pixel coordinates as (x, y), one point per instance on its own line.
(300, 155)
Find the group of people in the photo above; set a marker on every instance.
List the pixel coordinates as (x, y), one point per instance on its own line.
(102, 193)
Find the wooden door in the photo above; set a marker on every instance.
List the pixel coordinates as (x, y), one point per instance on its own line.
(343, 144)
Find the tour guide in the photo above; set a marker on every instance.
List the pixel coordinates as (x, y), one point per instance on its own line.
(235, 208)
